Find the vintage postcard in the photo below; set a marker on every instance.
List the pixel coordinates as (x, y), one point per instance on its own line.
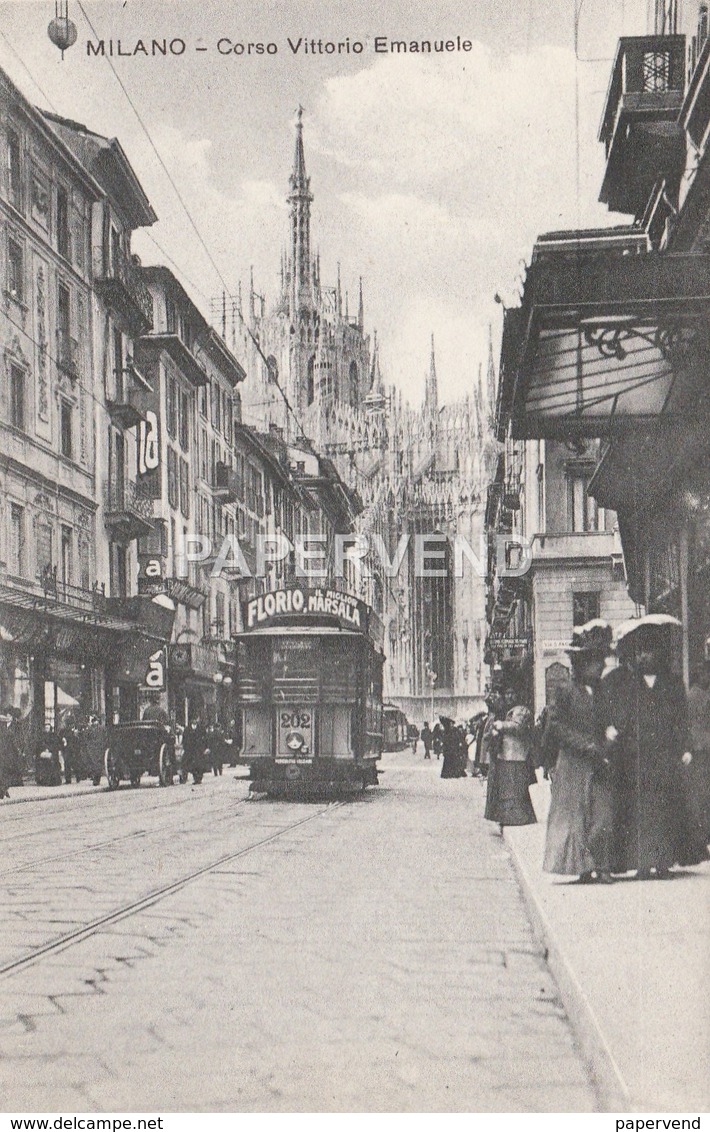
(354, 559)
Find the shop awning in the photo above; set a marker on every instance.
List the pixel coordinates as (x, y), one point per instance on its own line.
(638, 469)
(604, 342)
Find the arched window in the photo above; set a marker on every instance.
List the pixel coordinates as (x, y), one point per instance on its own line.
(311, 380)
(354, 390)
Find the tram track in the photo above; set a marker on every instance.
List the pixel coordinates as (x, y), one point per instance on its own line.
(134, 907)
(134, 835)
(90, 802)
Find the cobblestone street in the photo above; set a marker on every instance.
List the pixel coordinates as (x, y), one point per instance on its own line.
(367, 956)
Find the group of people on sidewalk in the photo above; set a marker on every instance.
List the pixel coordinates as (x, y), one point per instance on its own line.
(75, 750)
(626, 759)
(449, 741)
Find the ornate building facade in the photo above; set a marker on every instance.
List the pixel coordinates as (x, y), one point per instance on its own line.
(314, 371)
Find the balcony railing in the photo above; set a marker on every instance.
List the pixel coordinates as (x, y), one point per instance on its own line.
(128, 510)
(191, 659)
(121, 282)
(51, 590)
(68, 355)
(224, 485)
(640, 129)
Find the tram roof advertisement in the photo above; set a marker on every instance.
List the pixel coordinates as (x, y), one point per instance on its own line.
(309, 606)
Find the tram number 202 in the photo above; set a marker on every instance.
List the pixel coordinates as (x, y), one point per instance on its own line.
(291, 719)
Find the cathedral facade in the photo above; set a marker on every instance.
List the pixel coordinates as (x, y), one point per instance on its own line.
(314, 372)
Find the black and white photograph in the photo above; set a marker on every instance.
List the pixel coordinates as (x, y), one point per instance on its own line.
(354, 560)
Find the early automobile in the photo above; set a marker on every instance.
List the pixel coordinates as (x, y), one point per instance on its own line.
(135, 749)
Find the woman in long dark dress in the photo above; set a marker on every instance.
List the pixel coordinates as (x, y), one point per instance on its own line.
(646, 720)
(579, 824)
(510, 773)
(451, 750)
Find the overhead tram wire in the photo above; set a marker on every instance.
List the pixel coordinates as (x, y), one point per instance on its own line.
(28, 72)
(187, 212)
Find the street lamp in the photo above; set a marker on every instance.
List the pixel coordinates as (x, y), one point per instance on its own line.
(431, 676)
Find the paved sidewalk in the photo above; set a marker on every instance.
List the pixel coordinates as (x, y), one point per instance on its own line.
(632, 961)
(32, 793)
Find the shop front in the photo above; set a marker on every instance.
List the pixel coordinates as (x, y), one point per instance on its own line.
(197, 676)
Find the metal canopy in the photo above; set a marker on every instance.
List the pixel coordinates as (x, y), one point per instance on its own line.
(600, 343)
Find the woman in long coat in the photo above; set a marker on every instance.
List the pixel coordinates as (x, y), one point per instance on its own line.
(578, 841)
(510, 773)
(646, 719)
(451, 750)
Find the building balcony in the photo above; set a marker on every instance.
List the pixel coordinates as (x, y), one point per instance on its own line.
(128, 511)
(68, 355)
(640, 125)
(181, 354)
(121, 285)
(224, 486)
(191, 660)
(53, 590)
(124, 409)
(574, 546)
(52, 597)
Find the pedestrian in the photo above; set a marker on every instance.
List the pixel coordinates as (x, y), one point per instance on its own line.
(94, 743)
(699, 769)
(451, 750)
(437, 739)
(15, 764)
(231, 743)
(426, 738)
(48, 763)
(478, 725)
(645, 713)
(579, 824)
(154, 712)
(5, 739)
(415, 738)
(195, 753)
(489, 738)
(215, 743)
(69, 740)
(510, 773)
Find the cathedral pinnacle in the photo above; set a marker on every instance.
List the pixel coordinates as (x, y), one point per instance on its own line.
(431, 394)
(298, 180)
(375, 399)
(300, 270)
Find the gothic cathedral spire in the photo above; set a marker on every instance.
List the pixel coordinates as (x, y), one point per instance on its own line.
(431, 394)
(300, 199)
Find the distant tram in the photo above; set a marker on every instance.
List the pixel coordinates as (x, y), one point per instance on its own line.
(397, 730)
(309, 688)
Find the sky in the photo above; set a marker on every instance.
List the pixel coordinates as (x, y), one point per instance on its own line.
(431, 174)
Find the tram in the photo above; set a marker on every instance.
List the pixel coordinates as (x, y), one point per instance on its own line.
(309, 689)
(397, 730)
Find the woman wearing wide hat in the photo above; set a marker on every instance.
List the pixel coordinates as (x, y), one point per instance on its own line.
(578, 841)
(646, 725)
